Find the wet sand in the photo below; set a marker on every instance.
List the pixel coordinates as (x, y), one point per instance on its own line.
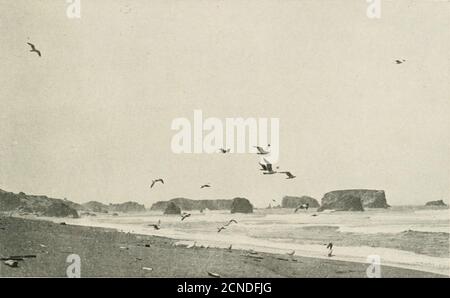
(109, 253)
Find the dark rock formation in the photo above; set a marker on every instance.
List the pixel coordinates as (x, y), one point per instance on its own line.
(172, 208)
(294, 202)
(346, 202)
(241, 205)
(439, 203)
(188, 204)
(369, 198)
(127, 207)
(95, 206)
(39, 205)
(59, 209)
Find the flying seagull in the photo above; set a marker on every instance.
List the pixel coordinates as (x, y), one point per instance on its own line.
(302, 206)
(156, 226)
(220, 229)
(205, 186)
(289, 175)
(269, 170)
(224, 150)
(184, 216)
(155, 181)
(261, 151)
(230, 222)
(33, 49)
(398, 61)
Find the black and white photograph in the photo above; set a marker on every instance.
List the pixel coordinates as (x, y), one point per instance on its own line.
(224, 139)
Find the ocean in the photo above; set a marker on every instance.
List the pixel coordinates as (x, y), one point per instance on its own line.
(407, 237)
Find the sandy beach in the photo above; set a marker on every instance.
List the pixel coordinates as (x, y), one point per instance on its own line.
(109, 253)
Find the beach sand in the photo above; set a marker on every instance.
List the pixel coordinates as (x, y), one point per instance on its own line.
(109, 253)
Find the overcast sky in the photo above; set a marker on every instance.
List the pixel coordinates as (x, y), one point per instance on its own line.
(91, 119)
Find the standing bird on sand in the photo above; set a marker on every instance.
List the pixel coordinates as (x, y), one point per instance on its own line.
(289, 175)
(33, 49)
(155, 181)
(156, 226)
(330, 248)
(302, 206)
(184, 216)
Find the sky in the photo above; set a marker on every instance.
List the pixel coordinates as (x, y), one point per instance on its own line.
(91, 119)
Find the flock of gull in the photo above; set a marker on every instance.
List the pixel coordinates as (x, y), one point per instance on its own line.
(266, 167)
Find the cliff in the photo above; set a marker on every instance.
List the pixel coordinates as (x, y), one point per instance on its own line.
(369, 198)
(39, 205)
(241, 205)
(99, 207)
(439, 203)
(344, 202)
(188, 204)
(127, 207)
(294, 202)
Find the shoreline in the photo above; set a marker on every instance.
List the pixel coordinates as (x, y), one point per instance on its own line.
(109, 253)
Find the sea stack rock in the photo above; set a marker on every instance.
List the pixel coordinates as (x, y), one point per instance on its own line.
(172, 208)
(369, 198)
(294, 202)
(60, 210)
(439, 203)
(127, 207)
(241, 205)
(346, 202)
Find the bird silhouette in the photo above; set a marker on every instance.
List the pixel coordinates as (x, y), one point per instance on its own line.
(289, 175)
(269, 170)
(156, 226)
(220, 229)
(223, 150)
(155, 181)
(205, 186)
(33, 49)
(261, 150)
(184, 216)
(230, 222)
(302, 206)
(398, 61)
